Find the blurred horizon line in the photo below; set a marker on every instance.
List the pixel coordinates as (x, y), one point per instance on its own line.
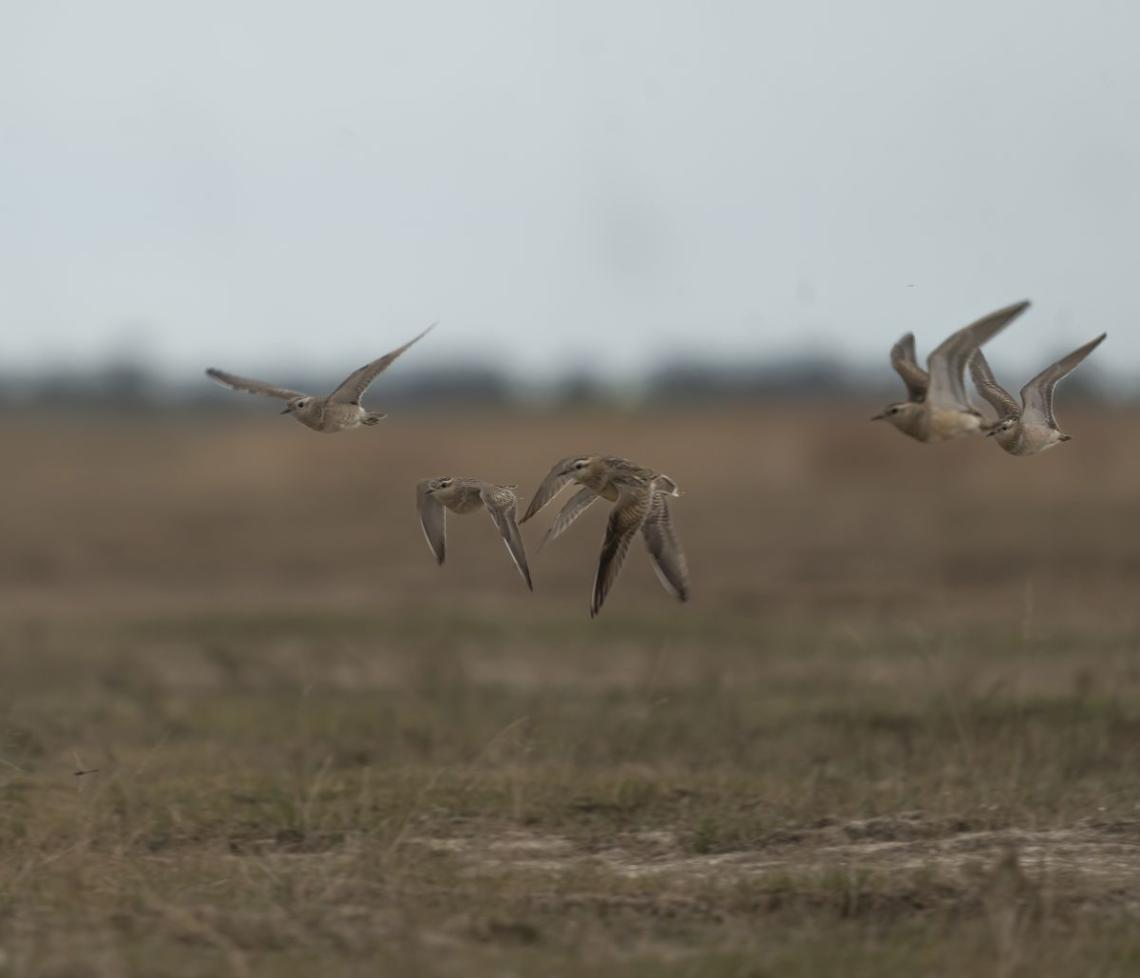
(130, 382)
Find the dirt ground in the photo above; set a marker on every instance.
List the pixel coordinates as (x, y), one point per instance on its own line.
(248, 727)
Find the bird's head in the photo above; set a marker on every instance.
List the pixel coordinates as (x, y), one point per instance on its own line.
(296, 405)
(575, 465)
(889, 411)
(901, 414)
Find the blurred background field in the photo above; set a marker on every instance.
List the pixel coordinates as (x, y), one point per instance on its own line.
(247, 726)
(901, 710)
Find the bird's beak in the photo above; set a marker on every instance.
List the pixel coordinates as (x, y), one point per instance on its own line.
(288, 410)
(991, 432)
(1065, 437)
(878, 417)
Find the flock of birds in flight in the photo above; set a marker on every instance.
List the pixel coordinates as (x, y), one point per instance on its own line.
(937, 408)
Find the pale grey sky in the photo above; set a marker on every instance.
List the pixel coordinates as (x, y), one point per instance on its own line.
(260, 184)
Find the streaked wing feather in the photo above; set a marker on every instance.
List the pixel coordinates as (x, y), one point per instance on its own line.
(433, 520)
(905, 363)
(664, 548)
(575, 507)
(555, 479)
(352, 388)
(947, 364)
(502, 505)
(997, 396)
(251, 386)
(625, 520)
(1037, 395)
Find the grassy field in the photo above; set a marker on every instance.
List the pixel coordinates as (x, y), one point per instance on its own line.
(896, 732)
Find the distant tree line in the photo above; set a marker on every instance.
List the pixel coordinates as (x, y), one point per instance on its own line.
(125, 386)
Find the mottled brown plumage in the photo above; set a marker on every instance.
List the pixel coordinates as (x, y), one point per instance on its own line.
(435, 496)
(640, 503)
(1031, 427)
(938, 407)
(339, 411)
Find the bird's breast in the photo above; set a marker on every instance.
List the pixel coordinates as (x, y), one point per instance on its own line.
(609, 491)
(600, 483)
(1029, 439)
(944, 424)
(466, 503)
(338, 417)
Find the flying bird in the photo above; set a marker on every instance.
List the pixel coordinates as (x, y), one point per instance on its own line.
(339, 411)
(435, 496)
(640, 498)
(1031, 427)
(937, 407)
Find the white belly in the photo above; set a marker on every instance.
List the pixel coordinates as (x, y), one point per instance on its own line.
(332, 417)
(1029, 439)
(943, 424)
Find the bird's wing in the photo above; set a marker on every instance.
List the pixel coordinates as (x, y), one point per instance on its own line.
(352, 388)
(998, 397)
(234, 382)
(1037, 395)
(555, 479)
(575, 507)
(905, 362)
(664, 548)
(625, 520)
(947, 363)
(433, 519)
(502, 504)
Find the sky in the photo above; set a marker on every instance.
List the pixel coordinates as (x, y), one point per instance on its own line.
(564, 186)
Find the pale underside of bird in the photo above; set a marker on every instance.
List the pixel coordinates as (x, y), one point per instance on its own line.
(937, 407)
(1030, 427)
(340, 410)
(640, 498)
(435, 496)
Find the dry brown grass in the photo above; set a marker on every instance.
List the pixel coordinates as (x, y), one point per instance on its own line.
(896, 732)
